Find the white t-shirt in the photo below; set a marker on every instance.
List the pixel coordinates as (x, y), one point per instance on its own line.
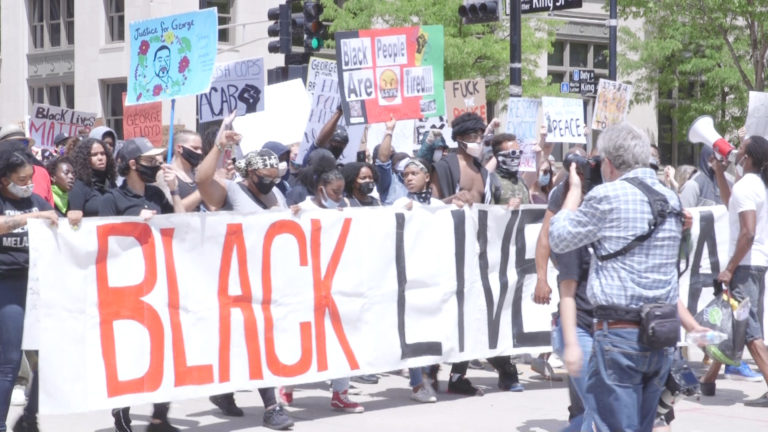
(242, 202)
(749, 194)
(401, 202)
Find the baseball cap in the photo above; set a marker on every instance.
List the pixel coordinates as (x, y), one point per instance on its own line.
(59, 138)
(136, 147)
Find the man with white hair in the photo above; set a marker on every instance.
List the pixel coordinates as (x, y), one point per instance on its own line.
(634, 228)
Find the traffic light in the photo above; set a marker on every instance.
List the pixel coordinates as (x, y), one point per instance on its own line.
(474, 12)
(314, 30)
(280, 28)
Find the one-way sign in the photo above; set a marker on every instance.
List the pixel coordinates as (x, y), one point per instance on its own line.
(531, 6)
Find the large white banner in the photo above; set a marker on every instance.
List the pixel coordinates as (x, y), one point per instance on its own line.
(185, 306)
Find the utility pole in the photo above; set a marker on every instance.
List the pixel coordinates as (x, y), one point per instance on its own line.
(612, 24)
(515, 51)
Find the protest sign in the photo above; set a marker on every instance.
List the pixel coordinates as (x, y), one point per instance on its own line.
(612, 104)
(172, 56)
(48, 121)
(757, 115)
(402, 137)
(289, 106)
(394, 71)
(144, 120)
(564, 118)
(465, 96)
(426, 124)
(235, 86)
(522, 118)
(161, 293)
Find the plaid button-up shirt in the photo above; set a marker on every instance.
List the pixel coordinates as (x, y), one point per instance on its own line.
(609, 218)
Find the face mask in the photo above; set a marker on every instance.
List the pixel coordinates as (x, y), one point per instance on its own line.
(327, 202)
(544, 179)
(437, 155)
(366, 187)
(473, 149)
(21, 191)
(264, 187)
(337, 151)
(509, 162)
(147, 174)
(193, 158)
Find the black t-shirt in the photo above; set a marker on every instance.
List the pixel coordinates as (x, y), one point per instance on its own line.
(86, 198)
(573, 265)
(14, 249)
(122, 201)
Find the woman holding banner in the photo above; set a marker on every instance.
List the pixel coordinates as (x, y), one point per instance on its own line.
(19, 204)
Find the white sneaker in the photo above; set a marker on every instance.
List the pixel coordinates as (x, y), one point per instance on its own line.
(424, 394)
(554, 361)
(18, 396)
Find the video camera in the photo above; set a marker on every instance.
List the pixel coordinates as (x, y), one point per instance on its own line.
(588, 169)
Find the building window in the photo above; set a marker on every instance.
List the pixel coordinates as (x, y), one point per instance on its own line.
(113, 106)
(62, 95)
(116, 20)
(52, 23)
(224, 8)
(569, 55)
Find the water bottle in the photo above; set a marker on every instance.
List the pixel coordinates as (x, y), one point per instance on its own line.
(702, 338)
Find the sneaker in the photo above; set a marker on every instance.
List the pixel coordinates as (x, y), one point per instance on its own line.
(555, 361)
(742, 373)
(18, 396)
(660, 425)
(463, 386)
(366, 379)
(340, 402)
(432, 377)
(24, 425)
(476, 364)
(276, 418)
(163, 426)
(761, 402)
(540, 366)
(286, 396)
(122, 419)
(227, 405)
(423, 395)
(508, 380)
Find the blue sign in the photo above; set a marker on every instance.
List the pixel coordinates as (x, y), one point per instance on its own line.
(565, 87)
(576, 74)
(172, 56)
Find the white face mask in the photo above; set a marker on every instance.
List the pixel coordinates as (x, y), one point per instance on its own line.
(21, 191)
(437, 155)
(473, 149)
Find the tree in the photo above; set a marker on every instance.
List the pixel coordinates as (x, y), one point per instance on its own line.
(477, 50)
(697, 57)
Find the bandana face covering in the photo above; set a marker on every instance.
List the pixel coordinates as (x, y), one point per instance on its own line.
(509, 163)
(422, 197)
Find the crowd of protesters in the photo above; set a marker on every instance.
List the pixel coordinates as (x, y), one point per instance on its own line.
(100, 175)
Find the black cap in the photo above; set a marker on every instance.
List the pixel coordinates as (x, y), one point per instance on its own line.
(59, 138)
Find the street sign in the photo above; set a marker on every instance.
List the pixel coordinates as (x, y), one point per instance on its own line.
(531, 6)
(588, 88)
(575, 87)
(565, 87)
(584, 75)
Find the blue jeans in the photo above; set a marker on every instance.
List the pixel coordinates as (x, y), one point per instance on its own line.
(581, 422)
(626, 379)
(417, 375)
(13, 297)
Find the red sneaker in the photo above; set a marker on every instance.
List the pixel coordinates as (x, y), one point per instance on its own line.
(340, 402)
(286, 396)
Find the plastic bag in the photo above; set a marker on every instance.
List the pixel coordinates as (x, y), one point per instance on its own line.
(719, 315)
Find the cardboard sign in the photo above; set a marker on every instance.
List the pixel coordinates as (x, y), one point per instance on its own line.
(48, 121)
(465, 96)
(144, 120)
(172, 56)
(564, 118)
(425, 125)
(612, 104)
(402, 138)
(757, 115)
(394, 71)
(235, 86)
(522, 118)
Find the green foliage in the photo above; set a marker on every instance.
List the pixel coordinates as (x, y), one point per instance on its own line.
(698, 56)
(471, 51)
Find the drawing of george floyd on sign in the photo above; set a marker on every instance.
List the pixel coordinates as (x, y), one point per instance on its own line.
(48, 121)
(391, 71)
(235, 86)
(522, 118)
(612, 104)
(465, 96)
(564, 118)
(172, 56)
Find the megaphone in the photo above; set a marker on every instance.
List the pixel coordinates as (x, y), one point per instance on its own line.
(703, 131)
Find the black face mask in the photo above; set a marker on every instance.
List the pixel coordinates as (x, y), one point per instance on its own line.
(148, 174)
(262, 186)
(366, 187)
(193, 158)
(337, 151)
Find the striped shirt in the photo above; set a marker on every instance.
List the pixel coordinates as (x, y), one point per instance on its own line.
(609, 218)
